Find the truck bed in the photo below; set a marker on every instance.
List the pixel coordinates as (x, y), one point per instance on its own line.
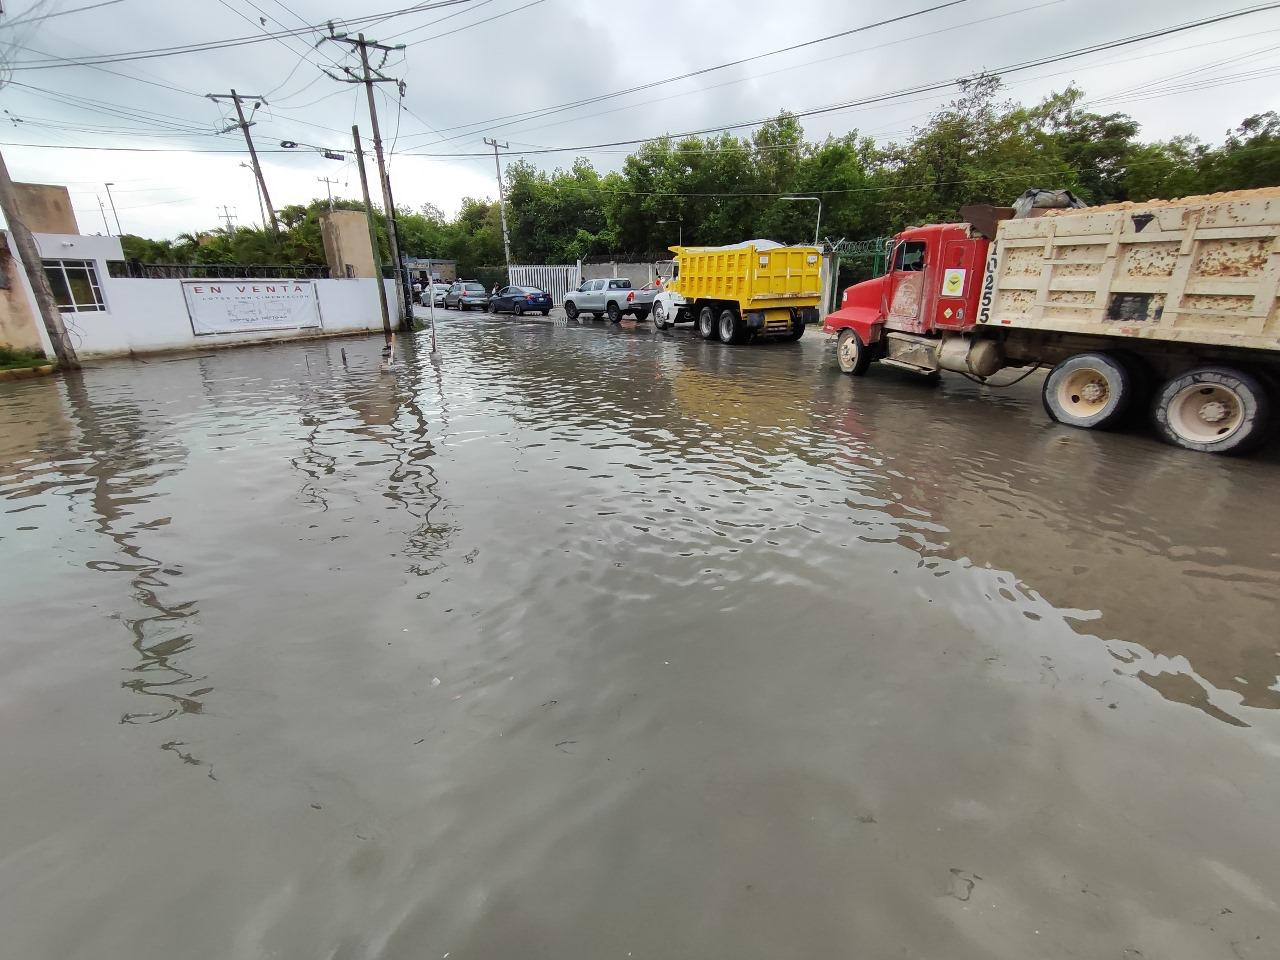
(1203, 270)
(755, 278)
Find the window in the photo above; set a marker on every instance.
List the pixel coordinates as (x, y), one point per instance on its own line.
(597, 284)
(75, 285)
(620, 284)
(909, 255)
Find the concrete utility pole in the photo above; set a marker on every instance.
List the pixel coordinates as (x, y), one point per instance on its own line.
(227, 215)
(112, 201)
(244, 126)
(369, 76)
(328, 186)
(33, 264)
(373, 234)
(502, 201)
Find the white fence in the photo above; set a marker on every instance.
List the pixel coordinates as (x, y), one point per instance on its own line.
(557, 279)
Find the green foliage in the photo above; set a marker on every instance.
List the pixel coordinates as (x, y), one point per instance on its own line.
(13, 359)
(981, 148)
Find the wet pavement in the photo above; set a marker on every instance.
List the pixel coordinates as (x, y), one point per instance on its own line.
(593, 642)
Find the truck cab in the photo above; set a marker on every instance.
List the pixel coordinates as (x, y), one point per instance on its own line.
(933, 286)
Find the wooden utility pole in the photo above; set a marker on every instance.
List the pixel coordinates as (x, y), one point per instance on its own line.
(368, 76)
(244, 126)
(33, 264)
(328, 186)
(502, 201)
(373, 234)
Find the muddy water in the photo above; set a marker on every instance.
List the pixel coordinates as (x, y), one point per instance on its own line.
(601, 643)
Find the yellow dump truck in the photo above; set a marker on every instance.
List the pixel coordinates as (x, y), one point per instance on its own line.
(738, 293)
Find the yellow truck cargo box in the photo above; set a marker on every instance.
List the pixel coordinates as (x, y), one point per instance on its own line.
(755, 278)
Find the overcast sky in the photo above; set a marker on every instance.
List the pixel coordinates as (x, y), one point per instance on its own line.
(471, 64)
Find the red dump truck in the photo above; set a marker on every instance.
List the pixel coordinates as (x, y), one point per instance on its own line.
(1165, 306)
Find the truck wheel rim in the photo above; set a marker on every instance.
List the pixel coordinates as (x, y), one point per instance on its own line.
(1084, 392)
(1206, 412)
(726, 328)
(847, 350)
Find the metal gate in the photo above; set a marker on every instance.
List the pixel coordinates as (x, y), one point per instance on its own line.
(557, 279)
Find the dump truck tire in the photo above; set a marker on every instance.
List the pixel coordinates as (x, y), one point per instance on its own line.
(707, 323)
(1089, 390)
(1213, 410)
(729, 326)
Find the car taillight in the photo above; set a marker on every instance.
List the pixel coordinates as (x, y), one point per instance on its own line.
(531, 298)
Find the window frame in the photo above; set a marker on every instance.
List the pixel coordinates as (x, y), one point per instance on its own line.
(90, 267)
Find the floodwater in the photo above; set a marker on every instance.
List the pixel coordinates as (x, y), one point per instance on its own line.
(592, 642)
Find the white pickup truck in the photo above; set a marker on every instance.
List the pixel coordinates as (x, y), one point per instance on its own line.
(612, 297)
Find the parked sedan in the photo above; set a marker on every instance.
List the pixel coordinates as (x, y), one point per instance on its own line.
(441, 290)
(466, 295)
(517, 300)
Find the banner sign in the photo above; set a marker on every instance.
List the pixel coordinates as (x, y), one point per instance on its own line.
(248, 306)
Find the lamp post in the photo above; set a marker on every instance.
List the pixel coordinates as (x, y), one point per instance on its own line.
(818, 224)
(680, 231)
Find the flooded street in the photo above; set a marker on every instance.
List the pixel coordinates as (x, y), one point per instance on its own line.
(592, 642)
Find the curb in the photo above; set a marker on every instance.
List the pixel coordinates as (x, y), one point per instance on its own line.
(27, 373)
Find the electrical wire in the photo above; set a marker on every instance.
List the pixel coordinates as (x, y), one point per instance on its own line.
(182, 49)
(897, 94)
(58, 13)
(496, 16)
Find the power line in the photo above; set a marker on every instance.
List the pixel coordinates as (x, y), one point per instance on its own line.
(178, 50)
(558, 108)
(496, 16)
(59, 13)
(893, 95)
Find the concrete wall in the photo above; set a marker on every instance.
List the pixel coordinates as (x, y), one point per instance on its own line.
(46, 208)
(347, 247)
(146, 316)
(638, 273)
(20, 324)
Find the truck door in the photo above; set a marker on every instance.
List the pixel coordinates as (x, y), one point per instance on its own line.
(907, 287)
(955, 279)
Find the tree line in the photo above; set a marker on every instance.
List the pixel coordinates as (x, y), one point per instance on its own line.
(980, 148)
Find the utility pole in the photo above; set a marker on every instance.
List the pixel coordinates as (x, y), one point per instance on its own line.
(369, 76)
(103, 208)
(227, 215)
(112, 201)
(502, 201)
(262, 212)
(244, 126)
(33, 264)
(373, 235)
(328, 186)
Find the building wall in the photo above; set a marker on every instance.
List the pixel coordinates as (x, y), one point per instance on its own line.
(146, 316)
(46, 208)
(347, 247)
(20, 324)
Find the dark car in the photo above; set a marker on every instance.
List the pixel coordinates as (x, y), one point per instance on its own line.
(466, 295)
(519, 299)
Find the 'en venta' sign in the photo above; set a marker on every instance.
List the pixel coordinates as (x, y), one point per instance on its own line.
(249, 306)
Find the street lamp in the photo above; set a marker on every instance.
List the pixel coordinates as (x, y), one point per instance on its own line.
(818, 225)
(679, 232)
(323, 151)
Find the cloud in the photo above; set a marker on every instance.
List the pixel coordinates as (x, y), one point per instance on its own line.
(550, 53)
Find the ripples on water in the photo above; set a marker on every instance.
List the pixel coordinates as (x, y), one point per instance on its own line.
(390, 594)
